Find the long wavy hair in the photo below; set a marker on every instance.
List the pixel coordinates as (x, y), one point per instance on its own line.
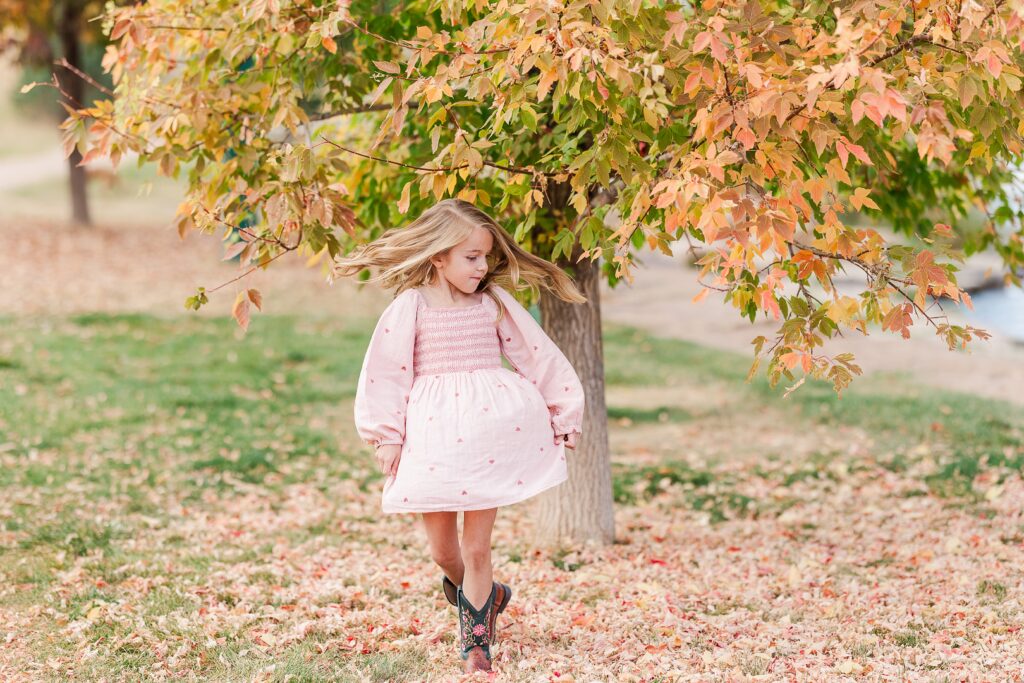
(402, 256)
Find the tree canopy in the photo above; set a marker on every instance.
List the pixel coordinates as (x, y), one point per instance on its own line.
(752, 130)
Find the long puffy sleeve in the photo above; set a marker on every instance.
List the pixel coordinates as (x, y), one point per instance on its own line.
(382, 393)
(536, 357)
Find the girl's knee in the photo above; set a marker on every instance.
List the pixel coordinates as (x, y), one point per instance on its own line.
(446, 556)
(476, 556)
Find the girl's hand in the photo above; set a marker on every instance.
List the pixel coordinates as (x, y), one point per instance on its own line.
(568, 439)
(388, 456)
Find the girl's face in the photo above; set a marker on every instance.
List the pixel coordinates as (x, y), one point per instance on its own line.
(466, 263)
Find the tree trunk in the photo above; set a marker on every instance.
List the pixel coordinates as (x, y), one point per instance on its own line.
(580, 510)
(68, 29)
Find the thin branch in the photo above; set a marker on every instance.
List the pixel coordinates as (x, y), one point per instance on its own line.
(55, 84)
(186, 28)
(255, 237)
(879, 274)
(414, 46)
(284, 251)
(84, 76)
(105, 90)
(439, 169)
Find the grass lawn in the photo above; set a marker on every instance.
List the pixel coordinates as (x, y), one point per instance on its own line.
(182, 501)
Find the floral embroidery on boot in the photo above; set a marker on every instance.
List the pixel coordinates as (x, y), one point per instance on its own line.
(476, 631)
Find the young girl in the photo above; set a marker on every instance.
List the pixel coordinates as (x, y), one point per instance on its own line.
(453, 429)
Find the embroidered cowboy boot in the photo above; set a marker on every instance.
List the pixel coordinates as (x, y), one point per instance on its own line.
(477, 629)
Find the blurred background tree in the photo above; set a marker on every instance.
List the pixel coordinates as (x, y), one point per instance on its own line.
(42, 35)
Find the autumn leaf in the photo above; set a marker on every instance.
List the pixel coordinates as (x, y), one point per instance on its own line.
(403, 201)
(547, 79)
(234, 250)
(583, 620)
(256, 298)
(387, 67)
(240, 310)
(861, 198)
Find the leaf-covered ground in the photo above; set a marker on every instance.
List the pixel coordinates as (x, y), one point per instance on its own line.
(183, 503)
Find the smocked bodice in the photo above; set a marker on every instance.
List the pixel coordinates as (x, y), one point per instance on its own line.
(456, 339)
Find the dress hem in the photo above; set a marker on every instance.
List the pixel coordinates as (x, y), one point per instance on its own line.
(448, 508)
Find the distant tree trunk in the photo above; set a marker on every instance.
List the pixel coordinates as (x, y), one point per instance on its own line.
(580, 510)
(68, 31)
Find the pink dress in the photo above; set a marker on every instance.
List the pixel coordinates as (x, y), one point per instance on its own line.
(474, 434)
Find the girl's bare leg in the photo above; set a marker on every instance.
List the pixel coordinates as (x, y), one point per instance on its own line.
(476, 555)
(443, 537)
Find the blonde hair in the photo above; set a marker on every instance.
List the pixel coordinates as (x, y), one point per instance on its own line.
(403, 255)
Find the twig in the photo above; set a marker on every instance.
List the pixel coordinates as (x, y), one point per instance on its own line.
(439, 169)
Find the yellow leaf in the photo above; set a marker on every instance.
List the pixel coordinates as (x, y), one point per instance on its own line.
(652, 118)
(439, 184)
(849, 667)
(316, 258)
(432, 92)
(842, 310)
(403, 202)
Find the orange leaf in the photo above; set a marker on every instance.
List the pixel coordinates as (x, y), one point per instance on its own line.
(746, 137)
(844, 153)
(240, 310)
(861, 197)
(790, 359)
(858, 151)
(548, 78)
(255, 297)
(584, 620)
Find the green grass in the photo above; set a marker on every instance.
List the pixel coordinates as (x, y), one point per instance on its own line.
(701, 490)
(147, 384)
(969, 434)
(992, 590)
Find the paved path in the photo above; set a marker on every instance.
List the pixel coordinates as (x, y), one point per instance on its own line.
(23, 171)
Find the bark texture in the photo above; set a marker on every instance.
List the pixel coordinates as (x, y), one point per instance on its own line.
(580, 510)
(68, 32)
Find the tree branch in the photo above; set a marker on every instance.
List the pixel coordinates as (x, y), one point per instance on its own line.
(439, 169)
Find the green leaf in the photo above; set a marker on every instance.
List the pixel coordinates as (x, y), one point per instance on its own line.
(528, 117)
